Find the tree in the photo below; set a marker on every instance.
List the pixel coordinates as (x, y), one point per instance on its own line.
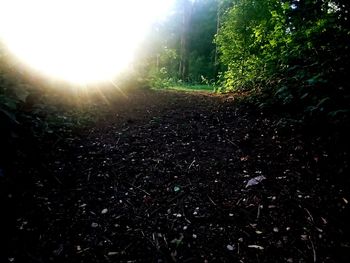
(292, 51)
(186, 11)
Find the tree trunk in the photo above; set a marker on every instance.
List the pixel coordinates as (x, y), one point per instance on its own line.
(218, 23)
(186, 16)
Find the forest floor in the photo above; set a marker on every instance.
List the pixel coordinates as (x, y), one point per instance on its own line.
(165, 176)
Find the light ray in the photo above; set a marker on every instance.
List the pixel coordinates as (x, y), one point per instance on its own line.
(81, 41)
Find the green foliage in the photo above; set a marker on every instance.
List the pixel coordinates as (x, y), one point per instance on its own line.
(191, 88)
(159, 78)
(251, 40)
(162, 51)
(201, 47)
(293, 53)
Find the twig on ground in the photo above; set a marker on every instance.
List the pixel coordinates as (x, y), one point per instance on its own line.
(313, 250)
(258, 213)
(139, 188)
(308, 212)
(234, 144)
(211, 200)
(189, 167)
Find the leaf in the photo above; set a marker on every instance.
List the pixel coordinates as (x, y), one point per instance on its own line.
(177, 241)
(10, 103)
(281, 90)
(22, 92)
(104, 211)
(304, 95)
(322, 101)
(94, 225)
(255, 180)
(256, 247)
(9, 115)
(314, 79)
(338, 112)
(230, 247)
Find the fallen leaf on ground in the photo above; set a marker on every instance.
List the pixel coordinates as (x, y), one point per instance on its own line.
(255, 180)
(256, 246)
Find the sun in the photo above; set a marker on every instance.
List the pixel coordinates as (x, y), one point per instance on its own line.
(80, 41)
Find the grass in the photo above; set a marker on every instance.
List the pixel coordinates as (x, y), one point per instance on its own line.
(191, 88)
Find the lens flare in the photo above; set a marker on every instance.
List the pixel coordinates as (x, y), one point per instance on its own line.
(81, 41)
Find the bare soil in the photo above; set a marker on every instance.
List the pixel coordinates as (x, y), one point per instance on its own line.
(163, 178)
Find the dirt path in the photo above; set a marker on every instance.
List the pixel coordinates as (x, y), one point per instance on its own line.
(164, 178)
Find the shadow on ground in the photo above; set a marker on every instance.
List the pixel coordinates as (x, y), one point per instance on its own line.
(163, 178)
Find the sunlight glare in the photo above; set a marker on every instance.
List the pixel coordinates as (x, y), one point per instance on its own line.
(81, 41)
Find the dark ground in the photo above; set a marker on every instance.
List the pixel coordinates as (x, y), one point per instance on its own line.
(163, 179)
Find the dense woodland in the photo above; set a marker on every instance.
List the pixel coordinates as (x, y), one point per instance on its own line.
(286, 53)
(177, 164)
(292, 53)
